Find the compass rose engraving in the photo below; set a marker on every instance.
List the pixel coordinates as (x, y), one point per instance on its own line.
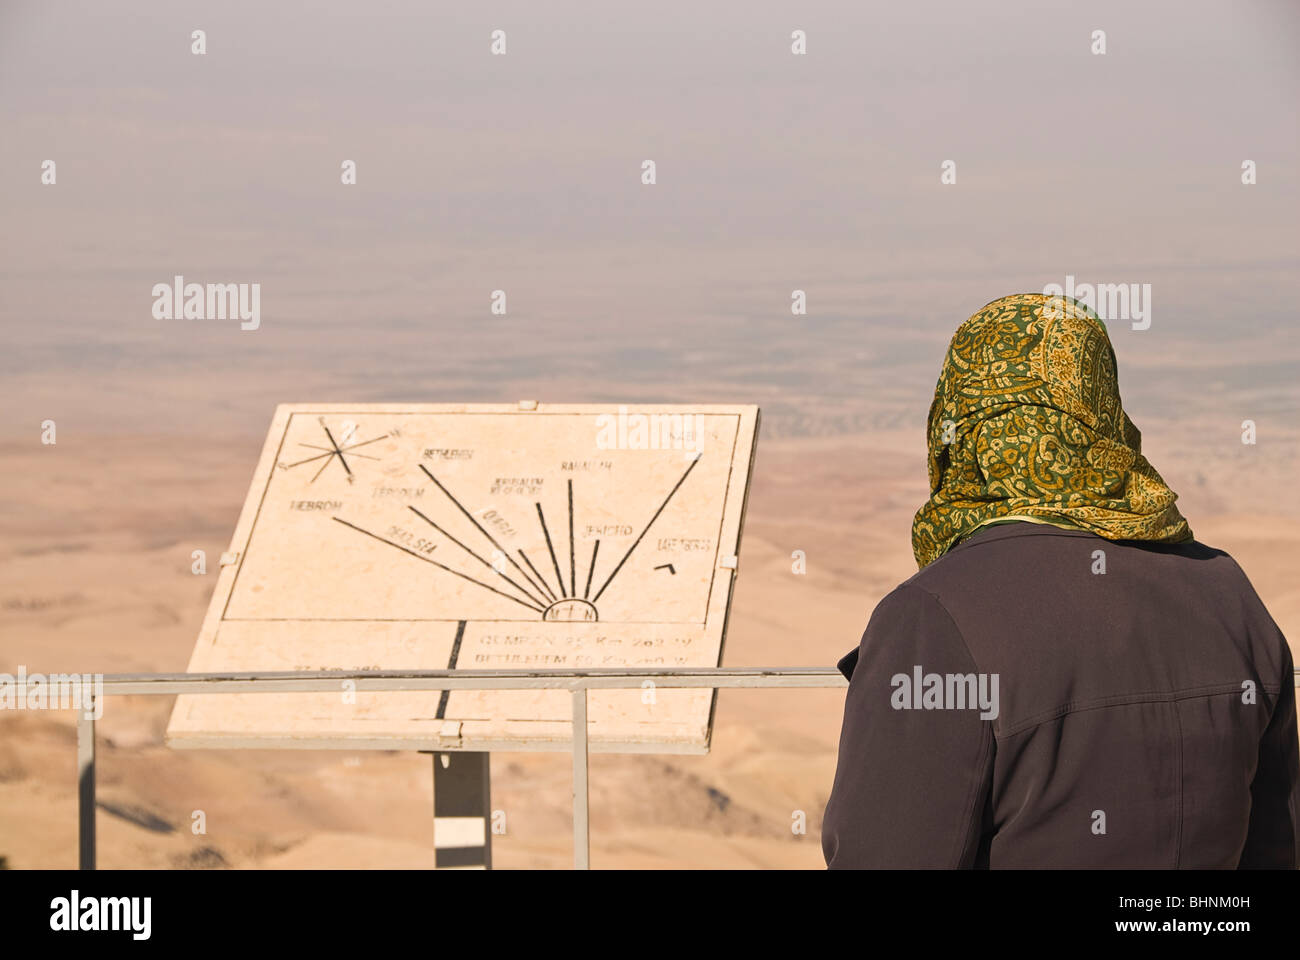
(340, 448)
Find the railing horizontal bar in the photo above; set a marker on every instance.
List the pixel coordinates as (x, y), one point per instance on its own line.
(487, 674)
(392, 680)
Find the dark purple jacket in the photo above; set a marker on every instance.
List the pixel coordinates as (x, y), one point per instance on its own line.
(1143, 717)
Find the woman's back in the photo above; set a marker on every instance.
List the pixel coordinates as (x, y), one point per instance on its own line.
(1143, 692)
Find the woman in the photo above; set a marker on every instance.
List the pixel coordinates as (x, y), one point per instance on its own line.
(1071, 680)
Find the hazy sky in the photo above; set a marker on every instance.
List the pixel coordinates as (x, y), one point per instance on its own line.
(523, 173)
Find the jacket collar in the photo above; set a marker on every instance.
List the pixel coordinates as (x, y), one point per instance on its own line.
(1018, 528)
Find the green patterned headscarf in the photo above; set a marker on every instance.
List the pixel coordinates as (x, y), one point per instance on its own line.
(1027, 424)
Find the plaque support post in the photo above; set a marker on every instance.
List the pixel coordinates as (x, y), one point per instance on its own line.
(462, 814)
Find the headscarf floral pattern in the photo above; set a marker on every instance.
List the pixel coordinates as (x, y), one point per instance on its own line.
(1027, 421)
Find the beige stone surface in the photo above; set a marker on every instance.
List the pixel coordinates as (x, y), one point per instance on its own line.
(423, 536)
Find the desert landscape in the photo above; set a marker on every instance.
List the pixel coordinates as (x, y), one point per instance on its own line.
(90, 589)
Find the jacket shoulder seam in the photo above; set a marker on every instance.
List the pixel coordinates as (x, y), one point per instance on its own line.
(1124, 700)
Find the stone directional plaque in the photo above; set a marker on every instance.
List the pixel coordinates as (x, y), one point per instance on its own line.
(477, 536)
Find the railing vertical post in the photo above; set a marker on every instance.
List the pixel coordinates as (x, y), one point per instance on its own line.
(86, 785)
(581, 833)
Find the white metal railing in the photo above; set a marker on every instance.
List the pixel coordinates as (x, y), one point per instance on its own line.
(327, 681)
